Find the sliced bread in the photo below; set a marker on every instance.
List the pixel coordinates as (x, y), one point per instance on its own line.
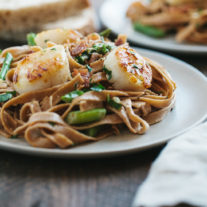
(18, 15)
(83, 21)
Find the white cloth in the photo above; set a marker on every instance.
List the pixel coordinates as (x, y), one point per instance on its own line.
(179, 174)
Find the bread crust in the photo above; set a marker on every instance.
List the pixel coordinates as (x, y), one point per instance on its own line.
(17, 20)
(83, 21)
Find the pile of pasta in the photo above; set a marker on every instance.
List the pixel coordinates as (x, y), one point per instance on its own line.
(46, 116)
(186, 18)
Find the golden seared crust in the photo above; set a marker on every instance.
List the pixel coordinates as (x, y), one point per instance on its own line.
(36, 70)
(42, 69)
(134, 65)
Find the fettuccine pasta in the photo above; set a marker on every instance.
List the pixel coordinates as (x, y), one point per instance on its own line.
(186, 18)
(65, 89)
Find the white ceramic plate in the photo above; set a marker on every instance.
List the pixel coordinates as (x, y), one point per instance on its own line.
(190, 110)
(113, 16)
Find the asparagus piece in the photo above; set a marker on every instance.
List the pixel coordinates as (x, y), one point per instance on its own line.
(6, 65)
(149, 30)
(31, 39)
(93, 131)
(81, 117)
(70, 96)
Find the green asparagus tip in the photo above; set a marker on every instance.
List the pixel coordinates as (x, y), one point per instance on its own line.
(105, 33)
(31, 39)
(6, 65)
(149, 30)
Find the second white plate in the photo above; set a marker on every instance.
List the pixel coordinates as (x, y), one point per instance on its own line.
(190, 110)
(113, 16)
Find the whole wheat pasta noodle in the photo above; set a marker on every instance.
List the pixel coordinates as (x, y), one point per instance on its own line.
(40, 116)
(187, 19)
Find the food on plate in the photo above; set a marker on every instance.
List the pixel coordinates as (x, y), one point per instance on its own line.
(42, 69)
(63, 89)
(23, 16)
(186, 18)
(129, 70)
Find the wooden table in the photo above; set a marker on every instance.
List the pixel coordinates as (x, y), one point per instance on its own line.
(39, 182)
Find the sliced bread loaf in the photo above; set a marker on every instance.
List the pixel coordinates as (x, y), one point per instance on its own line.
(18, 15)
(83, 21)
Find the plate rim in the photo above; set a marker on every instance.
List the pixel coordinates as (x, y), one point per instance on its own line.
(173, 50)
(43, 152)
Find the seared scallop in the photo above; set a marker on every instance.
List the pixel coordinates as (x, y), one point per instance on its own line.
(58, 36)
(129, 70)
(43, 69)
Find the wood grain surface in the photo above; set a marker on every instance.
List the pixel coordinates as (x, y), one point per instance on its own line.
(39, 182)
(27, 181)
